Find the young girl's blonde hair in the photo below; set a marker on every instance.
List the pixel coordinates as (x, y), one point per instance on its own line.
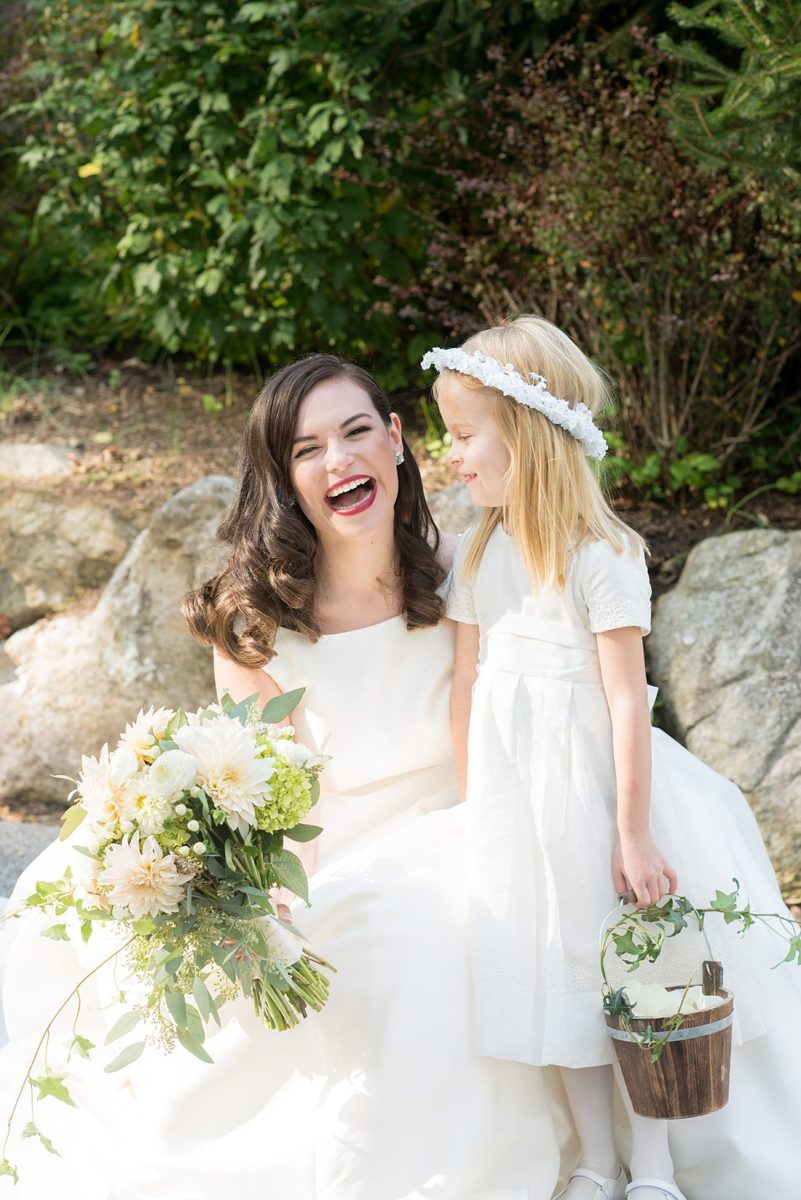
(553, 501)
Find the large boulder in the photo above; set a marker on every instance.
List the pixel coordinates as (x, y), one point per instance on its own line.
(50, 552)
(452, 509)
(26, 461)
(71, 683)
(726, 653)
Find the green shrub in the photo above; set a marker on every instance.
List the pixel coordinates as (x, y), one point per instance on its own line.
(572, 199)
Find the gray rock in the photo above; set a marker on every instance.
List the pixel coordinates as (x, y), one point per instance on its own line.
(726, 652)
(49, 552)
(75, 680)
(25, 461)
(452, 508)
(20, 842)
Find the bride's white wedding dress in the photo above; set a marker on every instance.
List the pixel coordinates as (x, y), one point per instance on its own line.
(380, 1096)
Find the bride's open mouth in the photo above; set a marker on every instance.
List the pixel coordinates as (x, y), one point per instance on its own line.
(351, 495)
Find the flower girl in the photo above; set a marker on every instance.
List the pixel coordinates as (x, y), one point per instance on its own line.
(573, 800)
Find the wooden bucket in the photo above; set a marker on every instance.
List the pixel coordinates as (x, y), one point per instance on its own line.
(691, 1076)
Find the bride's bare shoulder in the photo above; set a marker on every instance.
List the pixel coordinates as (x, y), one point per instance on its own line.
(241, 681)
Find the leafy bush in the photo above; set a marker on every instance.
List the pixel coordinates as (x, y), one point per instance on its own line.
(205, 168)
(572, 199)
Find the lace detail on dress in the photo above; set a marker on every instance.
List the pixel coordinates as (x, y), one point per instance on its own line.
(618, 612)
(459, 604)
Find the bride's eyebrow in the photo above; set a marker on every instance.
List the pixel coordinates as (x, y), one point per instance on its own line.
(313, 437)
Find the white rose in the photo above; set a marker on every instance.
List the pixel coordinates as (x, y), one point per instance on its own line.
(295, 753)
(123, 765)
(173, 771)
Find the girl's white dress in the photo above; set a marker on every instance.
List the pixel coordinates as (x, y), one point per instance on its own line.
(380, 1096)
(541, 820)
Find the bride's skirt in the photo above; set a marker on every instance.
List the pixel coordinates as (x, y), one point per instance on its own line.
(379, 1097)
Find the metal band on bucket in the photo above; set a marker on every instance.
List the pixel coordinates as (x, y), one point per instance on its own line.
(676, 1035)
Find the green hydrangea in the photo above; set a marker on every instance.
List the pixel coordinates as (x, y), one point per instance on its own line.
(172, 837)
(289, 800)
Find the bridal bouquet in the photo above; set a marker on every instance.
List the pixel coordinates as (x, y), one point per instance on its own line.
(177, 838)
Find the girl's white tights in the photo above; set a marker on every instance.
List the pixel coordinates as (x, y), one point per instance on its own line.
(589, 1094)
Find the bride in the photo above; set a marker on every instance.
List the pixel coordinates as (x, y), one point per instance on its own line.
(334, 584)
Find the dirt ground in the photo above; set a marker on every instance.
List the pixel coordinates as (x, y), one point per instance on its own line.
(139, 434)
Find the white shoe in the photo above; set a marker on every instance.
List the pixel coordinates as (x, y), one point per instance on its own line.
(668, 1190)
(607, 1189)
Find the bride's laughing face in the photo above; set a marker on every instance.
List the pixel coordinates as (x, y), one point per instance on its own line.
(343, 469)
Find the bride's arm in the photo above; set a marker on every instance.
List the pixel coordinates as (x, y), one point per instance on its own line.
(464, 674)
(240, 682)
(230, 676)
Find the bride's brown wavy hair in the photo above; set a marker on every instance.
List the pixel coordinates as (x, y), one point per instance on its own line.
(269, 579)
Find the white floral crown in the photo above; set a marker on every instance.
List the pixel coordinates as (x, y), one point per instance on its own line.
(504, 378)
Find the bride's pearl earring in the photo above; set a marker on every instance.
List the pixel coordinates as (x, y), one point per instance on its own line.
(398, 457)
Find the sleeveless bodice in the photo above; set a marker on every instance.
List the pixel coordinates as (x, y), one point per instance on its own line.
(377, 702)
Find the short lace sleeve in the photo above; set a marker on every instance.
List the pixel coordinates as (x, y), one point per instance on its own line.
(459, 604)
(615, 587)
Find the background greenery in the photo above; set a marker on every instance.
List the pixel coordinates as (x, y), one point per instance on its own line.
(238, 182)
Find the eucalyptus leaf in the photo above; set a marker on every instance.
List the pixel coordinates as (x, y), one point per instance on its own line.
(303, 833)
(176, 1003)
(71, 820)
(279, 707)
(125, 1024)
(194, 1046)
(126, 1057)
(203, 998)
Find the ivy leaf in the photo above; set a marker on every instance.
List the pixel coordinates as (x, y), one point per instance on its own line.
(289, 873)
(625, 944)
(81, 1045)
(51, 1085)
(126, 1057)
(30, 1130)
(57, 932)
(7, 1169)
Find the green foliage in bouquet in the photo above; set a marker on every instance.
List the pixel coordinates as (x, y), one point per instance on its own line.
(177, 838)
(638, 936)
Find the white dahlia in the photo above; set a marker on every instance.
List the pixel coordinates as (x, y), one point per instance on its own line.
(106, 791)
(150, 810)
(142, 878)
(229, 768)
(142, 734)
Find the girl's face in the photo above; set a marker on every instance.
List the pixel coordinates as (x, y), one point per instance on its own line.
(342, 467)
(477, 452)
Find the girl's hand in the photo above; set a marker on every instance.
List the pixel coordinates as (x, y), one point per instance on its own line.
(640, 870)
